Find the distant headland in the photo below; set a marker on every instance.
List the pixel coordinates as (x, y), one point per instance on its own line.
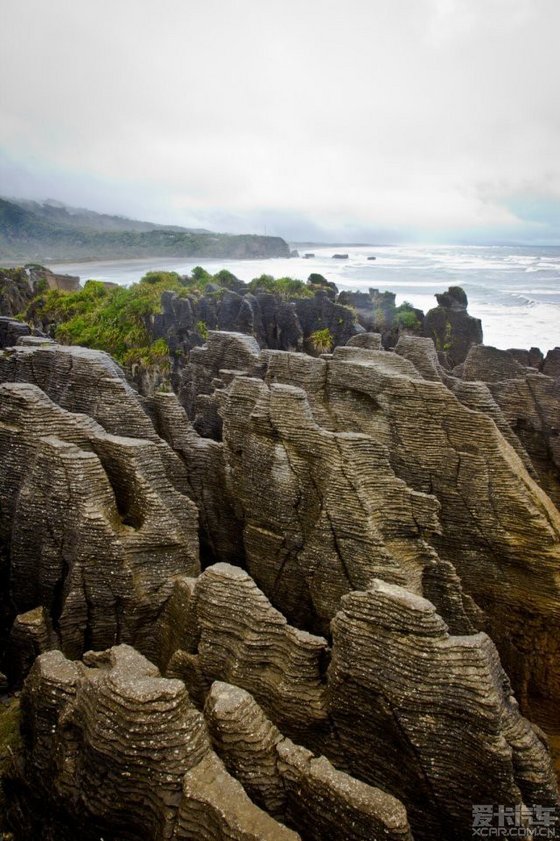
(51, 231)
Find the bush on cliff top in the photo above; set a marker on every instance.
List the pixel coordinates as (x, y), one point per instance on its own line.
(117, 319)
(286, 288)
(110, 319)
(405, 316)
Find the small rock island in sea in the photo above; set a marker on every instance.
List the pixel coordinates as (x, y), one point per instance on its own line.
(278, 562)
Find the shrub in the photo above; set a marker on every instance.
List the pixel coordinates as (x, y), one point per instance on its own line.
(406, 317)
(202, 329)
(115, 320)
(226, 279)
(322, 340)
(285, 287)
(159, 277)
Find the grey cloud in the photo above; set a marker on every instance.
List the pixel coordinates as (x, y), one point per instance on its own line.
(363, 116)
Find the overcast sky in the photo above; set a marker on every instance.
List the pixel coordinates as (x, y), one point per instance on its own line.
(375, 120)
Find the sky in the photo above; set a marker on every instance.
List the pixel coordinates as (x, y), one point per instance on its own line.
(363, 120)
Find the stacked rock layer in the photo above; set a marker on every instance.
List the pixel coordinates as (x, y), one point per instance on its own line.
(375, 625)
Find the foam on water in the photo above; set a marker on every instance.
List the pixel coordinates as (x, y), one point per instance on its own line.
(497, 279)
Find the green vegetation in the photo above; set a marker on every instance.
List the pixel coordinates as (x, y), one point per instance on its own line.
(202, 329)
(118, 319)
(9, 744)
(112, 319)
(322, 340)
(406, 317)
(286, 288)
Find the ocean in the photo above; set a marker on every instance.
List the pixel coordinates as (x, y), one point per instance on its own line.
(515, 291)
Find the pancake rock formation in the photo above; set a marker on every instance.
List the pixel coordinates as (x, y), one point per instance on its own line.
(310, 597)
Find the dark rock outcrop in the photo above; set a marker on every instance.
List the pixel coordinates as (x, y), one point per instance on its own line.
(551, 364)
(450, 326)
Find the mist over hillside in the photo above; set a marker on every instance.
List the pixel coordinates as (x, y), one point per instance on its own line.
(50, 230)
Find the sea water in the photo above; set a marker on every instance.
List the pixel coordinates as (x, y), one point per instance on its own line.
(515, 291)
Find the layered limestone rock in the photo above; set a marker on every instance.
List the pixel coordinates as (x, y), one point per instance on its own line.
(346, 468)
(428, 716)
(472, 393)
(530, 403)
(372, 516)
(80, 380)
(286, 780)
(210, 368)
(551, 365)
(304, 468)
(115, 750)
(238, 637)
(323, 511)
(499, 531)
(93, 530)
(205, 470)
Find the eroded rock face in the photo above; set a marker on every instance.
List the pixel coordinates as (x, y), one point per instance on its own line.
(345, 468)
(451, 328)
(374, 526)
(495, 521)
(338, 514)
(114, 750)
(306, 792)
(407, 699)
(551, 364)
(241, 639)
(93, 531)
(530, 403)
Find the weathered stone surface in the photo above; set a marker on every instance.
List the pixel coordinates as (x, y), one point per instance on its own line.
(11, 331)
(530, 404)
(436, 445)
(215, 806)
(429, 716)
(375, 499)
(31, 634)
(533, 357)
(367, 340)
(422, 353)
(490, 364)
(305, 792)
(205, 469)
(243, 640)
(223, 351)
(439, 446)
(337, 517)
(94, 530)
(116, 749)
(551, 365)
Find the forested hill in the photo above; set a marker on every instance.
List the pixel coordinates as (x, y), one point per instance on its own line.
(47, 232)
